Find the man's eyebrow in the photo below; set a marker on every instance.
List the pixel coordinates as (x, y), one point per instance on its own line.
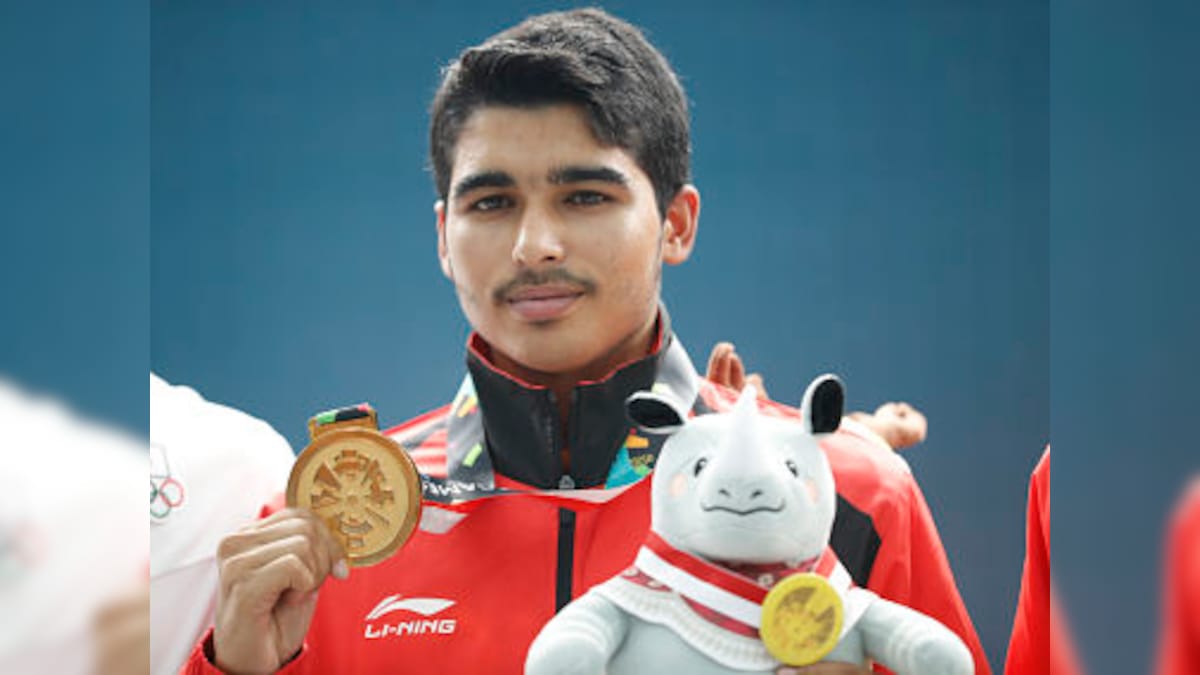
(481, 180)
(580, 174)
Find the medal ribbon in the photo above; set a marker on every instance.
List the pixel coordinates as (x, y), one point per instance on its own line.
(439, 517)
(719, 589)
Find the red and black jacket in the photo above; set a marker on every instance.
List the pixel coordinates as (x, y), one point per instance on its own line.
(474, 587)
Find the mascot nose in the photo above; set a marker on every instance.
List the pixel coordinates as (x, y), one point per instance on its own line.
(754, 493)
(742, 495)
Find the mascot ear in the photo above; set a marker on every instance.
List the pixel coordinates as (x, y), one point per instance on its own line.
(655, 413)
(823, 404)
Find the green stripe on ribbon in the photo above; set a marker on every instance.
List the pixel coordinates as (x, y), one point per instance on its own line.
(473, 455)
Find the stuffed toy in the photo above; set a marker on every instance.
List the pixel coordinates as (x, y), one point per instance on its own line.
(736, 574)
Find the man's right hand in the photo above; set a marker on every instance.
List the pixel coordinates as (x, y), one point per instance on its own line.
(270, 572)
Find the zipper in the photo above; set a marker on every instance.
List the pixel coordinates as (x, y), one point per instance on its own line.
(565, 568)
(564, 571)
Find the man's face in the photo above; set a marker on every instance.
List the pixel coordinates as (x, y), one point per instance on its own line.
(554, 242)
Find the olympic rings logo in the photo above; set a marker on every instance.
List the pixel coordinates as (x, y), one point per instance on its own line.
(166, 492)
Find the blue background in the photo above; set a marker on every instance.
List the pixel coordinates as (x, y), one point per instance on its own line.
(875, 203)
(74, 205)
(1125, 110)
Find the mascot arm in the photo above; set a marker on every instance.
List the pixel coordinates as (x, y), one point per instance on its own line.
(580, 640)
(910, 643)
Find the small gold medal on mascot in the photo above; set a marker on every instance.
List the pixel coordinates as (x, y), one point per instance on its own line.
(801, 619)
(359, 482)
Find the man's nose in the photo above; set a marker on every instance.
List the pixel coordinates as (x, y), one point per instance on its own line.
(539, 239)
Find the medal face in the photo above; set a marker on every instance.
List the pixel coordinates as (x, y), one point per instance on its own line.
(363, 486)
(801, 619)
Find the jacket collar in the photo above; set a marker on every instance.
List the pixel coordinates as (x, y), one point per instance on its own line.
(499, 424)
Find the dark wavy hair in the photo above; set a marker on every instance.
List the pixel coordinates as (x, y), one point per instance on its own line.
(584, 57)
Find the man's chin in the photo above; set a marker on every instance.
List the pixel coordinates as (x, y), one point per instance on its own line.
(547, 351)
(541, 363)
(574, 345)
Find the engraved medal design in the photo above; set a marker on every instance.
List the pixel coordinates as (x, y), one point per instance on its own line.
(801, 619)
(360, 483)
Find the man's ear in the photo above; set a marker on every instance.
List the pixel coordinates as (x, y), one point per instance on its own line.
(439, 208)
(683, 217)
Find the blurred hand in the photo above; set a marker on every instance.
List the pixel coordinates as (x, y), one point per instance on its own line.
(121, 630)
(725, 368)
(270, 572)
(900, 424)
(825, 668)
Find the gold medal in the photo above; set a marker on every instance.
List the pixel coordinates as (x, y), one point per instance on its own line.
(801, 619)
(359, 482)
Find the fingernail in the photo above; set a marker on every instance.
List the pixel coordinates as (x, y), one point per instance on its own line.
(341, 570)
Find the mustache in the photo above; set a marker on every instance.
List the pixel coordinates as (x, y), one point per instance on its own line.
(541, 278)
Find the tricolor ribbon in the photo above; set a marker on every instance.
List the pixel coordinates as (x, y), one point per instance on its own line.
(732, 594)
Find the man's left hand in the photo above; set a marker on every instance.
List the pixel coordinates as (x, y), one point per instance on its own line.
(900, 424)
(725, 368)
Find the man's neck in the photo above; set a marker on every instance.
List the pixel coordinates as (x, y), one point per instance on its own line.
(636, 346)
(531, 437)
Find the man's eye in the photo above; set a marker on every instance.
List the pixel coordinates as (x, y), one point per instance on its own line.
(587, 198)
(491, 203)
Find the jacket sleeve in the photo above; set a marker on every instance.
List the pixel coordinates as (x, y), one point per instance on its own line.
(200, 662)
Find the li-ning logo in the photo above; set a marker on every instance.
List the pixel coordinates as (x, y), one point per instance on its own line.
(425, 607)
(166, 492)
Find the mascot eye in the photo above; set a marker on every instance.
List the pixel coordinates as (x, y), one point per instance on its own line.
(700, 464)
(793, 468)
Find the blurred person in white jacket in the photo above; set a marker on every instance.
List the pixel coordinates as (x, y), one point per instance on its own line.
(212, 468)
(73, 540)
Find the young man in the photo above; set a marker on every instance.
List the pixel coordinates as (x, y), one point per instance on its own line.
(560, 151)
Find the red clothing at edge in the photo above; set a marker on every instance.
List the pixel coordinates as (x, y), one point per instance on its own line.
(1179, 649)
(1040, 643)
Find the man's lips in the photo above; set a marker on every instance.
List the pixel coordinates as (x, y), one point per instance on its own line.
(543, 303)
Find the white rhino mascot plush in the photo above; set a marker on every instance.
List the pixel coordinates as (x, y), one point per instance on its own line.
(740, 501)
